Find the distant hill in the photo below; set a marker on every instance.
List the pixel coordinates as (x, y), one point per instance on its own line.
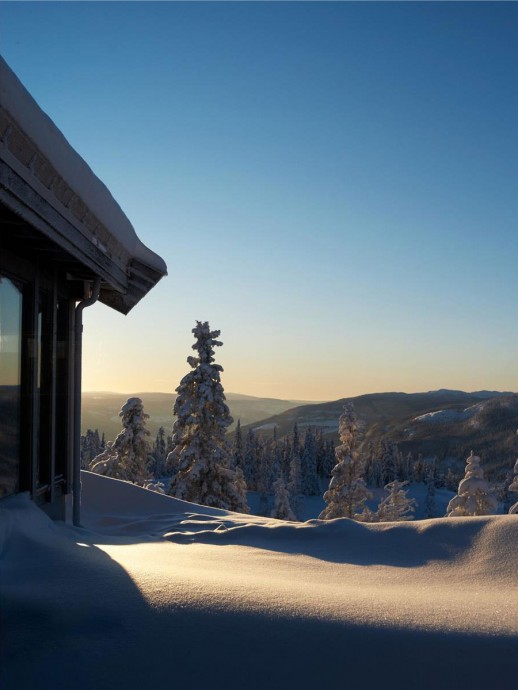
(100, 410)
(488, 427)
(444, 423)
(447, 424)
(382, 410)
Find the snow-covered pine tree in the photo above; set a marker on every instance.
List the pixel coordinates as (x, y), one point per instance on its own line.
(474, 495)
(374, 471)
(171, 461)
(309, 483)
(418, 470)
(241, 489)
(513, 487)
(276, 460)
(321, 451)
(390, 454)
(430, 492)
(157, 466)
(128, 456)
(294, 483)
(399, 461)
(237, 458)
(396, 507)
(252, 460)
(200, 450)
(295, 444)
(330, 459)
(285, 448)
(91, 446)
(347, 492)
(295, 469)
(264, 478)
(82, 452)
(408, 466)
(281, 507)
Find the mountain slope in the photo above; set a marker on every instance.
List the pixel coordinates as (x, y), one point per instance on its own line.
(385, 410)
(443, 423)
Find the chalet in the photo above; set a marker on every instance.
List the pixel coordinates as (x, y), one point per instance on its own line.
(64, 244)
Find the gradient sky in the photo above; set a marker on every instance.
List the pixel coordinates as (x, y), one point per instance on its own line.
(333, 185)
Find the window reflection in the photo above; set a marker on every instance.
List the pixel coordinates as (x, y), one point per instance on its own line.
(10, 380)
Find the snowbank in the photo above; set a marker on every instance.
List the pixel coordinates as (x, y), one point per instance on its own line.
(155, 592)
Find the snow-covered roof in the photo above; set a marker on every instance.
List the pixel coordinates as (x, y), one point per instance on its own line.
(100, 217)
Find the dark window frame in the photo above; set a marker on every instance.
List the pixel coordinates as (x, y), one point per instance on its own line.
(47, 354)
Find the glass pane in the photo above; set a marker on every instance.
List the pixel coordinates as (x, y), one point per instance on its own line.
(10, 380)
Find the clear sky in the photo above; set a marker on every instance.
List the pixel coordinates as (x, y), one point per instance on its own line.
(333, 185)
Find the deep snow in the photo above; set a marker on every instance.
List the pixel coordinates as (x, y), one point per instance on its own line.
(154, 592)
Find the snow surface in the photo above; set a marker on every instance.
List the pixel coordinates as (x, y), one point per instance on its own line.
(445, 416)
(452, 416)
(15, 98)
(155, 592)
(263, 427)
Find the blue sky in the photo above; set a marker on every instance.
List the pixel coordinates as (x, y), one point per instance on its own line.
(333, 185)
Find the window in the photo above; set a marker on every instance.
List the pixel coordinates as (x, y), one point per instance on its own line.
(10, 385)
(36, 372)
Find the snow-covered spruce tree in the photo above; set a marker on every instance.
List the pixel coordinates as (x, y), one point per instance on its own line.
(91, 446)
(200, 451)
(396, 507)
(347, 492)
(474, 495)
(430, 492)
(128, 456)
(330, 460)
(321, 451)
(241, 489)
(281, 507)
(309, 483)
(294, 482)
(237, 458)
(419, 469)
(275, 452)
(264, 480)
(157, 464)
(513, 510)
(407, 467)
(374, 471)
(389, 459)
(251, 460)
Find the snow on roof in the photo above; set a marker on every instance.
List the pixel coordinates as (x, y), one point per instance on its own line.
(15, 98)
(153, 591)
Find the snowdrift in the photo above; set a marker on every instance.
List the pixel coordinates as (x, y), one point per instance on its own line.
(155, 592)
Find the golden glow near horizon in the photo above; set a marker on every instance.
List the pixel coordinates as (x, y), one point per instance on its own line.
(128, 360)
(306, 355)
